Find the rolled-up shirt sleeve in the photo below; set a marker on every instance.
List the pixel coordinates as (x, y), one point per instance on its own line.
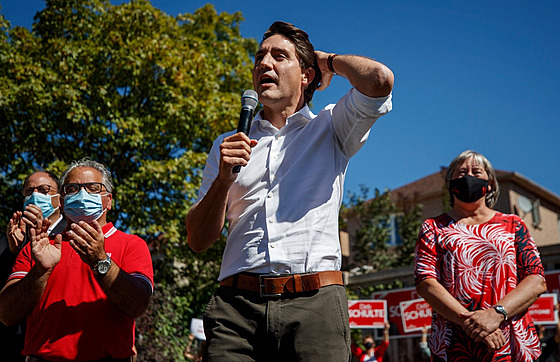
(354, 115)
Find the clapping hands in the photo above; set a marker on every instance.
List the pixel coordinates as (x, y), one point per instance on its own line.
(30, 218)
(45, 254)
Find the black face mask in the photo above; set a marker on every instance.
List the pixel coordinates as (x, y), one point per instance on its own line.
(468, 188)
(368, 345)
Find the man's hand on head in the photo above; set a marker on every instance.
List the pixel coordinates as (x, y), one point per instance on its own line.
(368, 76)
(327, 74)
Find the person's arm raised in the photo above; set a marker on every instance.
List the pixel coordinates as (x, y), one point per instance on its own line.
(368, 76)
(386, 332)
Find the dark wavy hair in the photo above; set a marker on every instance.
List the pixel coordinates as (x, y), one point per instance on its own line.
(304, 51)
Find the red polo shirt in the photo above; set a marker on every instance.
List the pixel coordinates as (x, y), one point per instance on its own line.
(74, 319)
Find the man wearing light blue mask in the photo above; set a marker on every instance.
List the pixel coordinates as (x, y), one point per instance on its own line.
(85, 203)
(95, 278)
(42, 200)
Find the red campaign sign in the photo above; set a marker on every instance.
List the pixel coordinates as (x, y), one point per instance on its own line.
(367, 313)
(542, 311)
(552, 281)
(393, 298)
(416, 314)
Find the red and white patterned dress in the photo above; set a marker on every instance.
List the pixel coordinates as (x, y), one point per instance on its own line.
(479, 265)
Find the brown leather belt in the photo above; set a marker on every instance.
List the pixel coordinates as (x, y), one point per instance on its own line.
(277, 285)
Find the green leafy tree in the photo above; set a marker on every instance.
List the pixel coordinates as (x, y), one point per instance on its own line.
(376, 218)
(371, 238)
(144, 93)
(410, 221)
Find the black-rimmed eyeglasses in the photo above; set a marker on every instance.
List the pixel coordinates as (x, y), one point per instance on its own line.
(43, 189)
(90, 187)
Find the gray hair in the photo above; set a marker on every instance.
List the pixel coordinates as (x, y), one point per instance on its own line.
(493, 193)
(88, 162)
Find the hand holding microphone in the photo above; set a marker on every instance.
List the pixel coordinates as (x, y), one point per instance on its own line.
(249, 102)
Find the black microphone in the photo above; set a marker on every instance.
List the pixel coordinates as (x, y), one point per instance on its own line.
(249, 102)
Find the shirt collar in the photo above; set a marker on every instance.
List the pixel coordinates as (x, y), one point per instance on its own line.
(301, 117)
(108, 230)
(54, 224)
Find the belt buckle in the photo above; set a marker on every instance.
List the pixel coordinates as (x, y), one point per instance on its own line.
(262, 286)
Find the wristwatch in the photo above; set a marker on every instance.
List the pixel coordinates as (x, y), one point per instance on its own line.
(102, 266)
(500, 309)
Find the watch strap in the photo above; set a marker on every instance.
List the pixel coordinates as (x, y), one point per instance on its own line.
(330, 62)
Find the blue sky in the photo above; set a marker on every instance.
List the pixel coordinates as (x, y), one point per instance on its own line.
(481, 75)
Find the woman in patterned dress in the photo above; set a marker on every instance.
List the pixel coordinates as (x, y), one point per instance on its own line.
(480, 270)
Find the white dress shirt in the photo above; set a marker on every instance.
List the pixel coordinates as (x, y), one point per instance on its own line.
(54, 224)
(283, 207)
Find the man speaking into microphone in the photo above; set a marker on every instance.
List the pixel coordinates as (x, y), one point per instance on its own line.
(282, 296)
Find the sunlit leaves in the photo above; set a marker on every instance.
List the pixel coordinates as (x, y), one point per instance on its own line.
(376, 217)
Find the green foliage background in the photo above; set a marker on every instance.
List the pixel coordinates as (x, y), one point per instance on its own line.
(144, 93)
(371, 250)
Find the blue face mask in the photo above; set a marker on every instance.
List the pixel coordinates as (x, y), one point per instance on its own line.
(83, 206)
(44, 202)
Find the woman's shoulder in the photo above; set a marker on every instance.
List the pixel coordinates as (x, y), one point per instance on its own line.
(507, 218)
(441, 220)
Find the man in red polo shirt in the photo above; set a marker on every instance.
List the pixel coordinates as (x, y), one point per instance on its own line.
(80, 291)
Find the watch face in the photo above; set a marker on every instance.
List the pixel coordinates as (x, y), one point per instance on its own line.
(502, 310)
(103, 266)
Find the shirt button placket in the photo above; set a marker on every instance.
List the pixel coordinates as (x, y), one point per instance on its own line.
(271, 202)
